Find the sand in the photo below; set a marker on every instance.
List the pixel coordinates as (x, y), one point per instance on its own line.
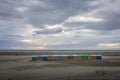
(22, 68)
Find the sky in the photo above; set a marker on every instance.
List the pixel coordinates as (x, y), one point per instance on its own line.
(60, 24)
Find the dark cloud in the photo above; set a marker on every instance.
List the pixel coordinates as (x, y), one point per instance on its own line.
(57, 11)
(44, 12)
(48, 31)
(12, 44)
(11, 41)
(111, 24)
(10, 36)
(110, 14)
(8, 10)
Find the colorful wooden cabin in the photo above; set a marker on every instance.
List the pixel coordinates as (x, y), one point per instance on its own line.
(66, 57)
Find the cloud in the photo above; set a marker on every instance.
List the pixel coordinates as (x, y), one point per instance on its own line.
(56, 12)
(83, 19)
(12, 44)
(21, 9)
(103, 18)
(59, 24)
(56, 29)
(20, 43)
(48, 31)
(109, 45)
(7, 10)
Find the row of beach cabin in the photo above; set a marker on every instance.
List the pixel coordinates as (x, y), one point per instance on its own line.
(66, 57)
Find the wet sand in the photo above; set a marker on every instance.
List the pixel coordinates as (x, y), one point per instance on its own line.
(22, 68)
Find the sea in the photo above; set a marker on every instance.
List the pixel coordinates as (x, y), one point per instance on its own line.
(36, 52)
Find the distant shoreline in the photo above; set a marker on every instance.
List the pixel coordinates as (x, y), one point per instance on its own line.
(61, 50)
(41, 52)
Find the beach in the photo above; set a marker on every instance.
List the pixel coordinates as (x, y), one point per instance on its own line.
(20, 67)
